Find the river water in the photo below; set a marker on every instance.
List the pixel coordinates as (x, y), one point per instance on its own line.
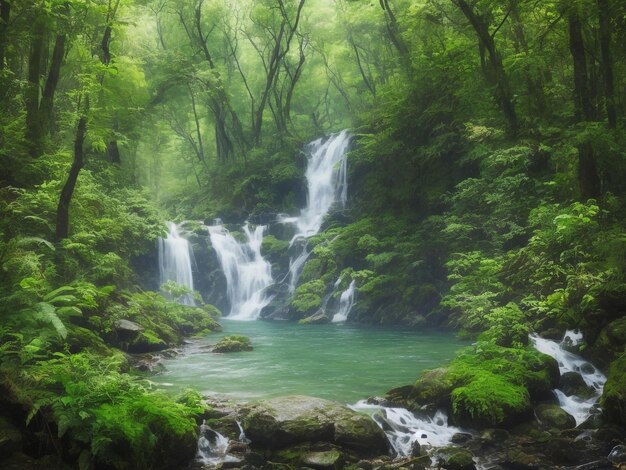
(333, 361)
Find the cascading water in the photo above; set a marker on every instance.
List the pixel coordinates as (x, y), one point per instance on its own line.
(213, 448)
(248, 274)
(175, 262)
(580, 408)
(327, 184)
(345, 304)
(404, 429)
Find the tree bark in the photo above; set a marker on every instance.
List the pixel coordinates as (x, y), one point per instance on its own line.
(33, 120)
(588, 179)
(604, 16)
(47, 99)
(63, 209)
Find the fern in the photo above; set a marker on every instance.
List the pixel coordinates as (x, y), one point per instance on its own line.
(47, 312)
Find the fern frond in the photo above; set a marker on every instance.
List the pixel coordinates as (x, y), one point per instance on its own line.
(47, 312)
(28, 240)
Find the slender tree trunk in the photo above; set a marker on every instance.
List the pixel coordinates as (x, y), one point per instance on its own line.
(5, 15)
(604, 16)
(63, 209)
(33, 119)
(588, 178)
(495, 73)
(47, 99)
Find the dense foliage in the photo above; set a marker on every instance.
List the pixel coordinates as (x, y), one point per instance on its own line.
(486, 178)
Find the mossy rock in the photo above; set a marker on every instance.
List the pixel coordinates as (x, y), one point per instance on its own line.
(494, 385)
(433, 386)
(147, 341)
(281, 422)
(554, 417)
(454, 458)
(79, 339)
(233, 343)
(572, 383)
(614, 395)
(308, 297)
(490, 400)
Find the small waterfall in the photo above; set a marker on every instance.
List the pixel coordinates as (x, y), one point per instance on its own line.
(175, 262)
(247, 273)
(403, 428)
(580, 408)
(213, 448)
(327, 184)
(345, 304)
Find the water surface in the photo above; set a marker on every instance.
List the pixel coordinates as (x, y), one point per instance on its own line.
(334, 361)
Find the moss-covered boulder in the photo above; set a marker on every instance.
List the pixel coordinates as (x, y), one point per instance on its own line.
(233, 343)
(494, 385)
(147, 341)
(572, 383)
(554, 417)
(286, 421)
(454, 458)
(610, 342)
(614, 396)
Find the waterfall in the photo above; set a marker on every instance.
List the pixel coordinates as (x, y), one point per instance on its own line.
(175, 262)
(213, 448)
(326, 176)
(345, 304)
(580, 408)
(248, 274)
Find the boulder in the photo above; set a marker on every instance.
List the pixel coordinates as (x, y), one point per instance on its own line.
(614, 395)
(572, 383)
(454, 458)
(280, 422)
(127, 330)
(323, 459)
(235, 343)
(554, 417)
(617, 456)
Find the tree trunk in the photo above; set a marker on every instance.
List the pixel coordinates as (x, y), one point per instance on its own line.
(63, 209)
(588, 179)
(33, 120)
(5, 15)
(47, 99)
(604, 16)
(495, 73)
(113, 152)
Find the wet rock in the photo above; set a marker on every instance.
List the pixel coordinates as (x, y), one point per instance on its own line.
(587, 368)
(454, 458)
(554, 417)
(572, 383)
(494, 435)
(552, 333)
(461, 438)
(563, 451)
(617, 456)
(324, 459)
(234, 343)
(279, 422)
(614, 395)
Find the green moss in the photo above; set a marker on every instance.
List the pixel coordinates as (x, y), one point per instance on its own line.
(308, 296)
(490, 400)
(272, 247)
(614, 395)
(493, 385)
(233, 343)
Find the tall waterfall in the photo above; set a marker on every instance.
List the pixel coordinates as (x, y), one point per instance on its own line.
(175, 262)
(247, 273)
(327, 184)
